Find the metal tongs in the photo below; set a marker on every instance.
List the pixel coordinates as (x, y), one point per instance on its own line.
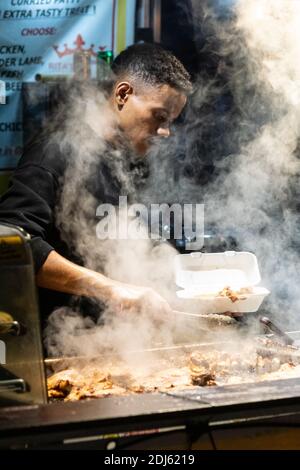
(284, 337)
(216, 318)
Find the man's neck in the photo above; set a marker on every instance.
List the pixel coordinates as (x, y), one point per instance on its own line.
(101, 119)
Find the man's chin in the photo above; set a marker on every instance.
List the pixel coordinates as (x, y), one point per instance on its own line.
(152, 142)
(143, 148)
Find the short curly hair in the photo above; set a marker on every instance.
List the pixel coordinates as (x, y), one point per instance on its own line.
(153, 65)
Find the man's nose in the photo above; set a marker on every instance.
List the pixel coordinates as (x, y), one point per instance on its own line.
(163, 131)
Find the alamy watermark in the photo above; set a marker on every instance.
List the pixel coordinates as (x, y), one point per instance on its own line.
(158, 221)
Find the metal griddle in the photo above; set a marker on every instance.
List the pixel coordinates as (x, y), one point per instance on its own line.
(177, 356)
(181, 420)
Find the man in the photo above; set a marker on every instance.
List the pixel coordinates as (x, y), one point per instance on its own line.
(149, 90)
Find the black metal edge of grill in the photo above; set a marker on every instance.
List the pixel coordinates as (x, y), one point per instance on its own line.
(59, 424)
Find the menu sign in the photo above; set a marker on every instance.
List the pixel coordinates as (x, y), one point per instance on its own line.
(40, 38)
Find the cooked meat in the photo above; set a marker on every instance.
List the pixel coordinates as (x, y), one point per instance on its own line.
(61, 383)
(97, 390)
(235, 295)
(201, 370)
(52, 393)
(234, 367)
(72, 385)
(204, 380)
(94, 383)
(257, 361)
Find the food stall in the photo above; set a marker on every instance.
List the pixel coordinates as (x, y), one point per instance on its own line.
(223, 372)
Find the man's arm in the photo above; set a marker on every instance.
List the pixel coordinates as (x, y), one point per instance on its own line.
(29, 203)
(60, 274)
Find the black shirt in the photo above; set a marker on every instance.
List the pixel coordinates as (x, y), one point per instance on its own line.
(34, 195)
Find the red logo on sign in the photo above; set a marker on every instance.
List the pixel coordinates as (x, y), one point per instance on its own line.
(79, 42)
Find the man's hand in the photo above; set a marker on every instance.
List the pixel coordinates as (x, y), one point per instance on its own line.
(126, 297)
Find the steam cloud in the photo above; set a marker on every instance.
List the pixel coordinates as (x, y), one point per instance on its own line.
(252, 194)
(253, 191)
(260, 192)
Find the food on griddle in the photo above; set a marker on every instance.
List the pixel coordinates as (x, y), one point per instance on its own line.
(204, 379)
(91, 382)
(259, 360)
(201, 370)
(61, 384)
(73, 385)
(95, 390)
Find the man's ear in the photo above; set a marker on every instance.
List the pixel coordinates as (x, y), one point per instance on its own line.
(122, 92)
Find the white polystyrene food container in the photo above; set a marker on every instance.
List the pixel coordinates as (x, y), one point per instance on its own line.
(203, 275)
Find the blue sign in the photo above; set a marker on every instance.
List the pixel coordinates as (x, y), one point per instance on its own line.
(40, 37)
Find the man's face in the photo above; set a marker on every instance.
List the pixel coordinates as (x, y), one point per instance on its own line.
(146, 112)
